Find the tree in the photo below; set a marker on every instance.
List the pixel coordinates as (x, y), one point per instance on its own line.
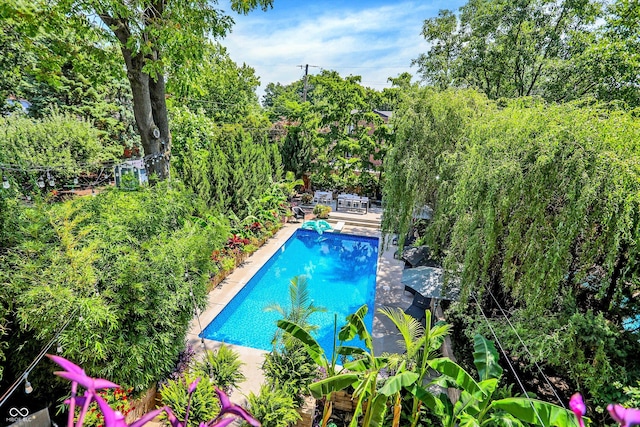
(507, 48)
(217, 87)
(154, 36)
(535, 211)
(55, 62)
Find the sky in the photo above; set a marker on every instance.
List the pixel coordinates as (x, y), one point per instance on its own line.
(374, 39)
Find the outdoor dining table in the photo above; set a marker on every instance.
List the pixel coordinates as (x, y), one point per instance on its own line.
(352, 202)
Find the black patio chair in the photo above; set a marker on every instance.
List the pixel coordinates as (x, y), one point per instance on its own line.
(418, 306)
(298, 213)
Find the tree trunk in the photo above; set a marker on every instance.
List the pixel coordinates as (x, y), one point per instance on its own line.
(149, 106)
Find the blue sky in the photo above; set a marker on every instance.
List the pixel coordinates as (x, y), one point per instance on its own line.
(374, 39)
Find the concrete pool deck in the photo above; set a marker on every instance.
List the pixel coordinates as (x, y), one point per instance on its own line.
(389, 293)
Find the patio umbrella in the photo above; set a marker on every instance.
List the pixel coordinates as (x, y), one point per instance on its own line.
(429, 282)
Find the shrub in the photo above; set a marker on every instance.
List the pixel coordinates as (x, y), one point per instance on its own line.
(290, 370)
(273, 408)
(223, 367)
(321, 211)
(204, 402)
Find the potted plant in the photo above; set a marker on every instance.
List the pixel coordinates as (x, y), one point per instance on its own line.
(321, 211)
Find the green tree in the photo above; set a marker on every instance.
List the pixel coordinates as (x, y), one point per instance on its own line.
(114, 266)
(154, 37)
(507, 48)
(554, 243)
(217, 87)
(57, 66)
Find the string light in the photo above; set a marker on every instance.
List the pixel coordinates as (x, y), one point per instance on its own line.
(28, 388)
(50, 180)
(27, 385)
(41, 182)
(5, 182)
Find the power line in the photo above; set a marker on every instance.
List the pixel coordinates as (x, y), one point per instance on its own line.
(504, 353)
(527, 350)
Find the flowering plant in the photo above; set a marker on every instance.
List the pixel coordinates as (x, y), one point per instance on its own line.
(626, 417)
(116, 398)
(113, 418)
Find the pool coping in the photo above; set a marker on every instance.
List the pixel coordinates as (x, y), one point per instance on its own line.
(389, 293)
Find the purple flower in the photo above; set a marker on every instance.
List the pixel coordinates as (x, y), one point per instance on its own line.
(226, 407)
(76, 374)
(113, 418)
(626, 417)
(576, 403)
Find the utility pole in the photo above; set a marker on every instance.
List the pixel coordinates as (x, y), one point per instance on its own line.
(306, 74)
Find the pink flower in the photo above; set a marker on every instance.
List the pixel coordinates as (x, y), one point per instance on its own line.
(576, 403)
(626, 417)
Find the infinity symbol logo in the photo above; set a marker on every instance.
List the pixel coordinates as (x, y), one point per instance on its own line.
(15, 412)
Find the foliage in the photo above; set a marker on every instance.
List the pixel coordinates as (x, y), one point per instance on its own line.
(63, 144)
(155, 43)
(113, 265)
(183, 365)
(216, 87)
(194, 402)
(421, 345)
(223, 367)
(223, 165)
(302, 306)
(509, 49)
(476, 405)
(290, 370)
(273, 407)
(117, 398)
(53, 62)
(204, 404)
(321, 211)
(555, 245)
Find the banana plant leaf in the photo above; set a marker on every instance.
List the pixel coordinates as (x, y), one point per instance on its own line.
(441, 406)
(545, 414)
(331, 384)
(446, 366)
(311, 345)
(397, 382)
(485, 357)
(467, 404)
(347, 350)
(377, 410)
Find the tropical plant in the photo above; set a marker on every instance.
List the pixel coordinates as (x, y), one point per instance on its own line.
(223, 367)
(476, 405)
(273, 407)
(202, 401)
(289, 368)
(420, 344)
(321, 211)
(302, 306)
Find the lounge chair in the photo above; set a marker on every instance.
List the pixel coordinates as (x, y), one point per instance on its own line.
(337, 227)
(418, 306)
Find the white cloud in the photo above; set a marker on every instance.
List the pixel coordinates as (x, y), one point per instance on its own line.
(374, 42)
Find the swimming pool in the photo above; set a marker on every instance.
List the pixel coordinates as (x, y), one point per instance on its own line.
(341, 276)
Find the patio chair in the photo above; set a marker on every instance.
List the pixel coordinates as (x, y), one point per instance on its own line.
(298, 213)
(418, 306)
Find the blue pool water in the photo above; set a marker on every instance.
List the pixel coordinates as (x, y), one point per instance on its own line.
(341, 277)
